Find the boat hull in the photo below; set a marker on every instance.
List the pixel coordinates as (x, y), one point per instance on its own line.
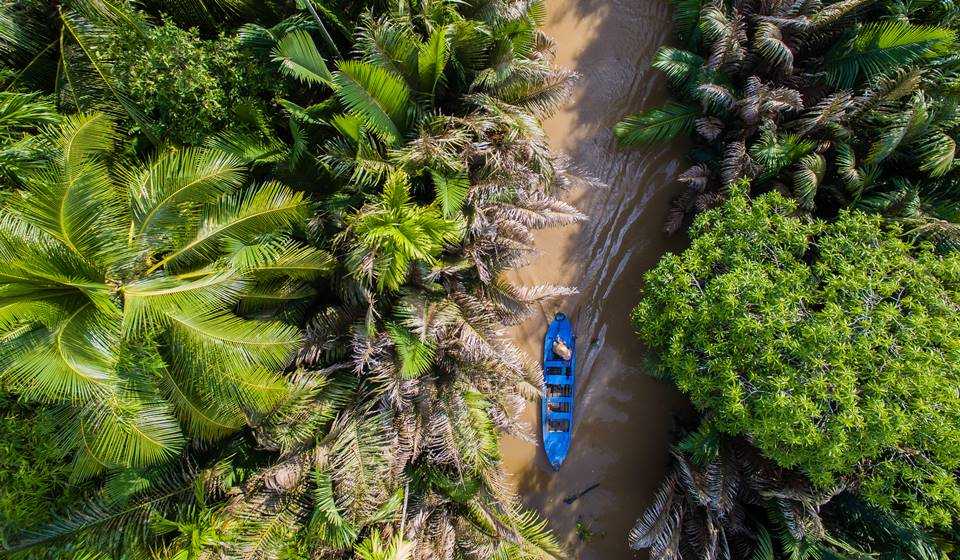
(556, 405)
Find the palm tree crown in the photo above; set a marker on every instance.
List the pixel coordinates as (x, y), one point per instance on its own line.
(122, 287)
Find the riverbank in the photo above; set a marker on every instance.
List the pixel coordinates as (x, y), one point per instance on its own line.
(623, 416)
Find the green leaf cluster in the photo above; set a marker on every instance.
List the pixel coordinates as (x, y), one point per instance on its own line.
(832, 346)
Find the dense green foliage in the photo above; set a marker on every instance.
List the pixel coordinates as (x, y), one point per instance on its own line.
(121, 306)
(831, 345)
(187, 86)
(34, 477)
(258, 284)
(842, 104)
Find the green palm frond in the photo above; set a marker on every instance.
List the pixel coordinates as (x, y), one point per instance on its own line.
(686, 18)
(534, 87)
(328, 526)
(194, 176)
(683, 68)
(896, 133)
(71, 200)
(451, 192)
(432, 59)
(114, 523)
(135, 432)
(376, 547)
(530, 538)
(936, 152)
(764, 550)
(71, 357)
(395, 232)
(230, 343)
(24, 112)
(150, 302)
(656, 125)
(249, 147)
(282, 258)
(89, 232)
(391, 45)
(775, 152)
(377, 95)
(415, 353)
(879, 47)
(807, 179)
(240, 217)
(299, 58)
(846, 164)
(202, 417)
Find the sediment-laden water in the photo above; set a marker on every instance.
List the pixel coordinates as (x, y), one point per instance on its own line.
(623, 416)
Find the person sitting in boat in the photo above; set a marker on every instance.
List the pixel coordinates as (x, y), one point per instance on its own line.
(561, 350)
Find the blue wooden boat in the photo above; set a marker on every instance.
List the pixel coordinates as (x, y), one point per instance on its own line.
(556, 406)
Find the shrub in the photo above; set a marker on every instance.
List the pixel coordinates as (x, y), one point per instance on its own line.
(187, 86)
(835, 347)
(34, 473)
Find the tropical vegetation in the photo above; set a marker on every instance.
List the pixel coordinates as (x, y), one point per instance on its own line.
(843, 104)
(253, 276)
(812, 320)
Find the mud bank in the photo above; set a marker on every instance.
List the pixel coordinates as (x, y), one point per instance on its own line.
(623, 416)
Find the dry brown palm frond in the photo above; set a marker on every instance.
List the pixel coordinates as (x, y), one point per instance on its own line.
(696, 177)
(736, 162)
(709, 128)
(727, 34)
(677, 212)
(831, 109)
(439, 144)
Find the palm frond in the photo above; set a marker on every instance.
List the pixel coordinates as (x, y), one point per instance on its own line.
(807, 179)
(239, 218)
(656, 125)
(879, 47)
(193, 176)
(432, 59)
(299, 58)
(380, 97)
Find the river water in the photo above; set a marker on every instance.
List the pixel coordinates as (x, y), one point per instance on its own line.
(623, 417)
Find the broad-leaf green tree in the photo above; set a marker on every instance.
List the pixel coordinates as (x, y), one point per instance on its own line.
(832, 346)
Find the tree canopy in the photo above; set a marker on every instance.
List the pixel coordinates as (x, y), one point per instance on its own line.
(835, 347)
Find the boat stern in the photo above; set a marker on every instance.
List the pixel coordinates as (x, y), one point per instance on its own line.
(557, 445)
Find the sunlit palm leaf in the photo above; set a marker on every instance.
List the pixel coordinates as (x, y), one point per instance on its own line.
(379, 96)
(878, 47)
(194, 176)
(300, 59)
(656, 125)
(240, 217)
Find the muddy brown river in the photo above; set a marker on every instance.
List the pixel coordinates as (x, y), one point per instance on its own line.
(622, 416)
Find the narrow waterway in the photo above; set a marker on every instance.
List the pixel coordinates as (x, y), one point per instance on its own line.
(623, 416)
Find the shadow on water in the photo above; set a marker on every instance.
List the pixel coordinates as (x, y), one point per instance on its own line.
(623, 416)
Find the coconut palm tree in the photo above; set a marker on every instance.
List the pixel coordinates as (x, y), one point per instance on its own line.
(129, 291)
